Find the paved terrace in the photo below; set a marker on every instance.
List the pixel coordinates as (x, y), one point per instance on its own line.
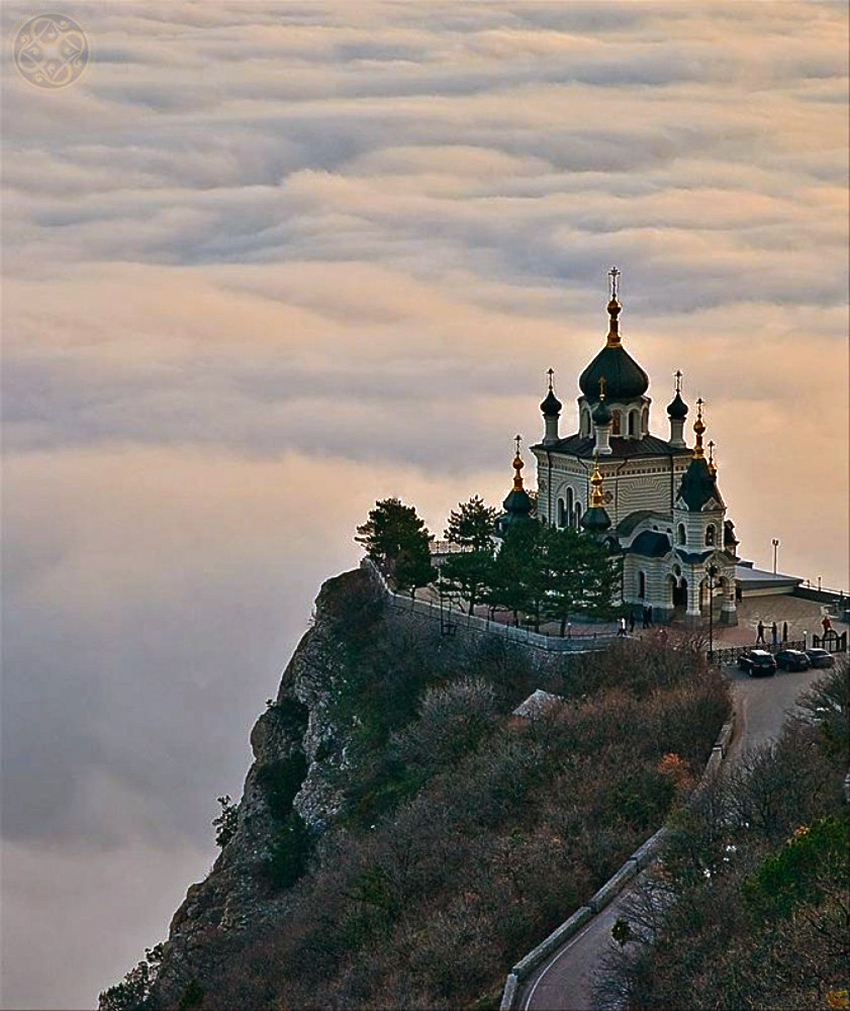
(801, 615)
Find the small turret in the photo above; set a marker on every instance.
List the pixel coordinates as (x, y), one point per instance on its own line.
(677, 411)
(518, 505)
(596, 519)
(602, 418)
(551, 409)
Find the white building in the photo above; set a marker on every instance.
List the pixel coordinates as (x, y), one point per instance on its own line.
(658, 503)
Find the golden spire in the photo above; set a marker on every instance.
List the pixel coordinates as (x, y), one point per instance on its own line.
(518, 465)
(614, 308)
(597, 499)
(699, 428)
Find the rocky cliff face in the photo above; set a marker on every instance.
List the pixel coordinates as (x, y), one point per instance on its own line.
(293, 790)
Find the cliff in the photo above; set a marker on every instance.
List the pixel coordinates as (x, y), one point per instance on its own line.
(292, 789)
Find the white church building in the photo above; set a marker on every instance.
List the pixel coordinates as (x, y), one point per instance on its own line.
(653, 500)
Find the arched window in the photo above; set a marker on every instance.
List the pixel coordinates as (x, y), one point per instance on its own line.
(578, 515)
(617, 423)
(680, 534)
(561, 513)
(570, 502)
(633, 422)
(709, 535)
(644, 421)
(585, 422)
(641, 585)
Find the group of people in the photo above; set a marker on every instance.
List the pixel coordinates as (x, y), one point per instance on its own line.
(774, 631)
(647, 621)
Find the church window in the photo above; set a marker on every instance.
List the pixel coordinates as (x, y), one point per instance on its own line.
(633, 422)
(617, 423)
(585, 422)
(578, 514)
(680, 534)
(644, 425)
(641, 585)
(561, 513)
(709, 535)
(570, 502)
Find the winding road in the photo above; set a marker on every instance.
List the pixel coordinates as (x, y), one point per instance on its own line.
(563, 982)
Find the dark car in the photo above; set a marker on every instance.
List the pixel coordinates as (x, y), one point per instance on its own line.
(792, 659)
(757, 663)
(820, 658)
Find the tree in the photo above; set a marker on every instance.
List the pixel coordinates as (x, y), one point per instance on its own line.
(469, 574)
(395, 534)
(227, 822)
(518, 580)
(471, 525)
(582, 576)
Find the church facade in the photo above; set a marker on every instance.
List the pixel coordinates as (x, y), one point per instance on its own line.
(654, 501)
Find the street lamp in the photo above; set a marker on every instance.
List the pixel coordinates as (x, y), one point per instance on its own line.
(712, 572)
(775, 543)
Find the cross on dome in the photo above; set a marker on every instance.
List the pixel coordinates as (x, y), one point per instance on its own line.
(613, 273)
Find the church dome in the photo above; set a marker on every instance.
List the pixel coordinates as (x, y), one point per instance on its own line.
(677, 409)
(601, 414)
(551, 405)
(624, 378)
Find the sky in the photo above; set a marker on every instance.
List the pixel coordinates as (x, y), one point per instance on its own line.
(265, 263)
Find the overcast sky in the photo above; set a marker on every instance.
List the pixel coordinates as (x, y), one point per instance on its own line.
(265, 263)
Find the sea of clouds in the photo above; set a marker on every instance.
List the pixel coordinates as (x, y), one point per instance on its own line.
(267, 262)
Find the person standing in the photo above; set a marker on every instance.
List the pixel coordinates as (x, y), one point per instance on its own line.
(827, 624)
(631, 622)
(760, 630)
(774, 635)
(785, 631)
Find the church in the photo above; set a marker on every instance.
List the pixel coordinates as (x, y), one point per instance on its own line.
(654, 501)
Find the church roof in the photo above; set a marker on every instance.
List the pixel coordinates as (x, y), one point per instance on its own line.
(551, 405)
(633, 520)
(585, 447)
(650, 544)
(624, 378)
(699, 486)
(677, 408)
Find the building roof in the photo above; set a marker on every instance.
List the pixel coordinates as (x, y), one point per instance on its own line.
(650, 544)
(677, 408)
(750, 578)
(633, 520)
(551, 406)
(699, 486)
(585, 447)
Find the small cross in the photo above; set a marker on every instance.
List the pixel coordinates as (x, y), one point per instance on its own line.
(678, 375)
(551, 374)
(602, 382)
(518, 440)
(613, 273)
(700, 402)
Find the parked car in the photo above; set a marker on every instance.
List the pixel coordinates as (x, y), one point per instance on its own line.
(757, 663)
(820, 658)
(792, 659)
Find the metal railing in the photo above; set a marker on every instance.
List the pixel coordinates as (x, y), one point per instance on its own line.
(834, 643)
(452, 619)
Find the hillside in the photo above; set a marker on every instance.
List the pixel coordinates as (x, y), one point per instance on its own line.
(402, 837)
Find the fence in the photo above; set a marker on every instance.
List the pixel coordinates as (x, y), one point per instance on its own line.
(451, 620)
(831, 641)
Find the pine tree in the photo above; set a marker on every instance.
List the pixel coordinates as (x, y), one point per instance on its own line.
(471, 524)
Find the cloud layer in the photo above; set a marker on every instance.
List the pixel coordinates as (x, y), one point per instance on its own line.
(265, 263)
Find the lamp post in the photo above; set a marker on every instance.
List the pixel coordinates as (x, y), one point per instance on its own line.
(712, 572)
(775, 543)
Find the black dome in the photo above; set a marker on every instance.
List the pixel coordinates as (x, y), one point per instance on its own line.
(677, 409)
(551, 405)
(601, 414)
(624, 378)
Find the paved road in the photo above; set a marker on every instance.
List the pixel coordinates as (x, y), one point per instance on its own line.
(563, 983)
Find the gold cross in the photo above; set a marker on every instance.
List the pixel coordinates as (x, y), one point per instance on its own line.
(613, 273)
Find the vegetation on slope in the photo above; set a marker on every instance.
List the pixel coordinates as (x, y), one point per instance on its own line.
(751, 906)
(470, 833)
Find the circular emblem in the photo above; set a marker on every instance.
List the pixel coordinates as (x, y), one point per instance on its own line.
(51, 51)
